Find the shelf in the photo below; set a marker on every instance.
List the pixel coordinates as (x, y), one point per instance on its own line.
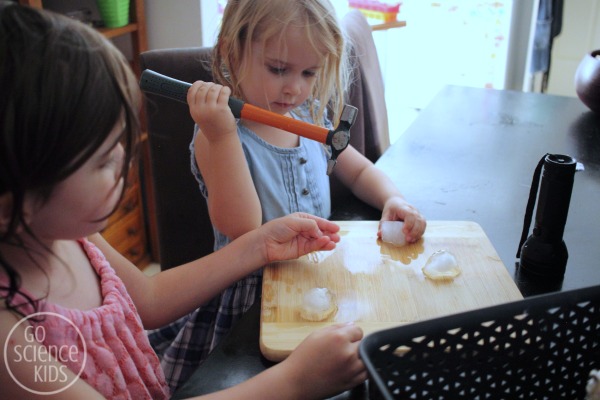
(388, 25)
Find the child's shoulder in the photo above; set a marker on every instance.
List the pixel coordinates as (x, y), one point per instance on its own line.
(8, 320)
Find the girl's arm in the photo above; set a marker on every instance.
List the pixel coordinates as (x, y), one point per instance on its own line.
(338, 368)
(197, 282)
(371, 185)
(31, 366)
(233, 203)
(324, 364)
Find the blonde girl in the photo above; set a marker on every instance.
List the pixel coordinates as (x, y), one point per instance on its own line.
(288, 56)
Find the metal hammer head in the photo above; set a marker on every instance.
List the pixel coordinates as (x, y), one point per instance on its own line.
(339, 138)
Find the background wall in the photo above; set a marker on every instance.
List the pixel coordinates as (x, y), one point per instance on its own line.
(173, 23)
(184, 23)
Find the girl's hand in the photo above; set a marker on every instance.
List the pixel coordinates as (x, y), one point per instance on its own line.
(398, 209)
(209, 108)
(326, 362)
(297, 234)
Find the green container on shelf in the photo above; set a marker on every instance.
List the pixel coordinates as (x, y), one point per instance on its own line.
(114, 13)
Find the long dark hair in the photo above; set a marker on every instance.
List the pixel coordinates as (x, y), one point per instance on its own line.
(63, 88)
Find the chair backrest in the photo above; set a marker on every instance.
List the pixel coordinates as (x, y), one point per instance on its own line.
(370, 132)
(183, 224)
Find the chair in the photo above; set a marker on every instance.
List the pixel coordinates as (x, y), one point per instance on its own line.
(183, 224)
(370, 132)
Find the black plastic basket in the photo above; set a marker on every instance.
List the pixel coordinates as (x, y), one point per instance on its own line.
(543, 347)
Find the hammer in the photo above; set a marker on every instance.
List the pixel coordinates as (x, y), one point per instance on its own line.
(338, 139)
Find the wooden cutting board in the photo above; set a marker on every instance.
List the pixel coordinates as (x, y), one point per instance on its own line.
(380, 286)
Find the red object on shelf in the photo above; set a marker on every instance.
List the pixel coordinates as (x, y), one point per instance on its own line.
(376, 9)
(375, 5)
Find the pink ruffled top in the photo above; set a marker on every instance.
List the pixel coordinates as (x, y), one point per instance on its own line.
(119, 362)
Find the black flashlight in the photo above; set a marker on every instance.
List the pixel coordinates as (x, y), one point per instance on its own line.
(544, 253)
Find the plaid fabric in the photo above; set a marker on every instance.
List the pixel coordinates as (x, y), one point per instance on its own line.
(185, 343)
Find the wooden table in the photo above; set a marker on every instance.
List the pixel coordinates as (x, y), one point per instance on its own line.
(470, 155)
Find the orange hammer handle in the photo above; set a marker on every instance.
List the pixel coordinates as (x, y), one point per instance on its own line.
(310, 131)
(153, 82)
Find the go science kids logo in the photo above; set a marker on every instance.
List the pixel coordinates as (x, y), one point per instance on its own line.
(24, 346)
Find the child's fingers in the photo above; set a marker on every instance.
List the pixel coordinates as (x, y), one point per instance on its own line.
(328, 227)
(203, 92)
(193, 92)
(379, 228)
(325, 226)
(213, 92)
(414, 226)
(409, 227)
(224, 95)
(320, 244)
(350, 330)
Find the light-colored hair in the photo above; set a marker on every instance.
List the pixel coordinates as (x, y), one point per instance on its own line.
(247, 21)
